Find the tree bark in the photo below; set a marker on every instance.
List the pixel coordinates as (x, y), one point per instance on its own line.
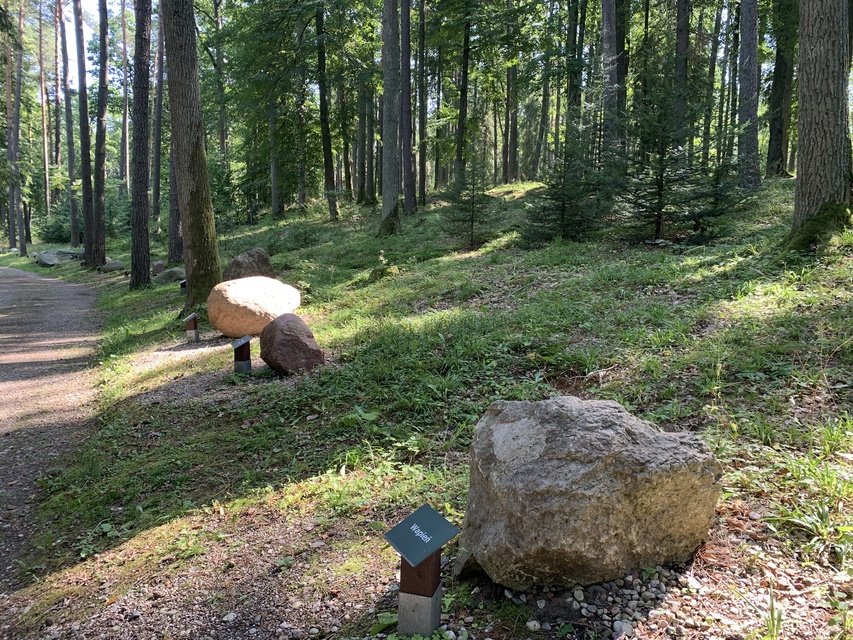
(422, 104)
(748, 161)
(69, 133)
(823, 156)
(785, 23)
(361, 155)
(57, 107)
(124, 152)
(275, 198)
(709, 92)
(370, 147)
(85, 140)
(201, 255)
(462, 121)
(325, 132)
(610, 99)
(682, 52)
(389, 222)
(45, 114)
(140, 257)
(176, 229)
(14, 131)
(157, 137)
(409, 203)
(100, 203)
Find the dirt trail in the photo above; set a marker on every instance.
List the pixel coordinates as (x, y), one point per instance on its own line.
(48, 331)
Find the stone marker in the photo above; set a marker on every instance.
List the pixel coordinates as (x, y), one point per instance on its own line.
(418, 539)
(287, 345)
(242, 355)
(567, 491)
(254, 262)
(247, 305)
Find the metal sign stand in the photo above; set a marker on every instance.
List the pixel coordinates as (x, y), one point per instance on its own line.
(242, 355)
(418, 539)
(191, 324)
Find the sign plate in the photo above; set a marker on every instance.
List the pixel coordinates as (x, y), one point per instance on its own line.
(192, 316)
(421, 534)
(240, 342)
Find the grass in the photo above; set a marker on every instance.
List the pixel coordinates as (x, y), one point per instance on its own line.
(738, 340)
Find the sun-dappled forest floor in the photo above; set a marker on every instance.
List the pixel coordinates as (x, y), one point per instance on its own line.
(216, 505)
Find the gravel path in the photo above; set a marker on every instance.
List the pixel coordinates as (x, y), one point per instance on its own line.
(48, 332)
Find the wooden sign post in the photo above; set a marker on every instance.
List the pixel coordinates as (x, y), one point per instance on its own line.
(418, 539)
(242, 355)
(191, 324)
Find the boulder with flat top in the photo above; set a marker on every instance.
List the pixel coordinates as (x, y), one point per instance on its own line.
(247, 305)
(567, 491)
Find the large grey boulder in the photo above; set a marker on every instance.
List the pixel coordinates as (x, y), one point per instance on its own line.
(567, 491)
(112, 266)
(287, 345)
(174, 274)
(53, 257)
(254, 262)
(245, 306)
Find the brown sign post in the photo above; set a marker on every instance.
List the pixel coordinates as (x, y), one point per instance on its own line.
(418, 539)
(191, 324)
(242, 355)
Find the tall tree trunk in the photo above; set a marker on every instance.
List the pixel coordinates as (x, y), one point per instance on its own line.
(733, 85)
(390, 221)
(408, 160)
(722, 121)
(682, 52)
(201, 255)
(57, 99)
(157, 137)
(784, 23)
(326, 135)
(370, 147)
(45, 114)
(85, 140)
(750, 176)
(140, 257)
(822, 198)
(542, 130)
(275, 198)
(69, 132)
(709, 91)
(422, 104)
(462, 121)
(344, 158)
(124, 153)
(176, 229)
(219, 74)
(100, 204)
(361, 155)
(14, 129)
(610, 99)
(439, 131)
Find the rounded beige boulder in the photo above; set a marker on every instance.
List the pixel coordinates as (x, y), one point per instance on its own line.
(245, 306)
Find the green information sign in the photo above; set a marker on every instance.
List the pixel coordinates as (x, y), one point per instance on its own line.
(421, 534)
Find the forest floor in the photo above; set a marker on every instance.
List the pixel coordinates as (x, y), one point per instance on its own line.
(211, 505)
(48, 334)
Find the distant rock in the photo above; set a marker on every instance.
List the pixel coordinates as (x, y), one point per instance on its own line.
(288, 345)
(158, 267)
(175, 274)
(53, 257)
(254, 262)
(113, 266)
(567, 491)
(245, 306)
